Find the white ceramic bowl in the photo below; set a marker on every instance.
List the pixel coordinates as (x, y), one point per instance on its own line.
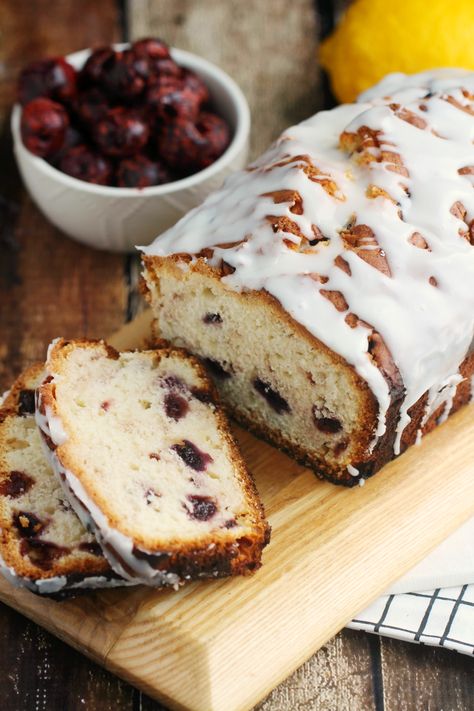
(118, 218)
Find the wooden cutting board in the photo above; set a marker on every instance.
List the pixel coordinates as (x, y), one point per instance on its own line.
(223, 645)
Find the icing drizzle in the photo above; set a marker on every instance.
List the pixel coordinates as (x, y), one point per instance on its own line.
(360, 221)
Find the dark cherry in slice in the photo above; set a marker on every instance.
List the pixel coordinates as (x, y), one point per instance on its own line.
(231, 523)
(28, 524)
(26, 402)
(274, 399)
(203, 507)
(328, 425)
(42, 553)
(176, 406)
(192, 456)
(16, 484)
(212, 318)
(216, 369)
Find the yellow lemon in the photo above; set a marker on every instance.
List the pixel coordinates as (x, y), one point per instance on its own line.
(376, 37)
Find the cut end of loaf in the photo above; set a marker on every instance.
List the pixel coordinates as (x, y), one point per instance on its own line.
(147, 457)
(276, 379)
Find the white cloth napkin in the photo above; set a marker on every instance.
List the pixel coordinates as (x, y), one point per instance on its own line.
(434, 602)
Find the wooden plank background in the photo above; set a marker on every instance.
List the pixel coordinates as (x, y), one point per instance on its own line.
(50, 286)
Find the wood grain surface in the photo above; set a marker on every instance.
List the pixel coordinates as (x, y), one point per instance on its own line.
(333, 550)
(51, 286)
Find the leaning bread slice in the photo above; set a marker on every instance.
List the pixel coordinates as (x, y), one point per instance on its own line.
(43, 545)
(148, 463)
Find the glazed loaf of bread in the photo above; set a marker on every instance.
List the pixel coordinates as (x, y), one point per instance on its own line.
(330, 286)
(146, 459)
(43, 545)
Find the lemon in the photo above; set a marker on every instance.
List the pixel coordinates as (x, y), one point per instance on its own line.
(376, 37)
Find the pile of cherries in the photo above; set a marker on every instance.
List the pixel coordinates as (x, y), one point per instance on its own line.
(130, 119)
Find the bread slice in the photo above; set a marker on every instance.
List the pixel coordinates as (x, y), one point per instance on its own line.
(43, 545)
(148, 463)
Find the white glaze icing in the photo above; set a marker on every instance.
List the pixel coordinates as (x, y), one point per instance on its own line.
(352, 470)
(424, 310)
(58, 583)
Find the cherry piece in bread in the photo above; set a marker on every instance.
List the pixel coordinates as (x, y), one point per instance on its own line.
(141, 172)
(83, 163)
(121, 133)
(43, 126)
(188, 147)
(51, 78)
(94, 69)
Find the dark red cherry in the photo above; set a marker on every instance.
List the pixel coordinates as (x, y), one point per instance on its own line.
(43, 126)
(91, 106)
(176, 406)
(189, 147)
(84, 163)
(141, 172)
(151, 47)
(94, 69)
(51, 78)
(121, 133)
(328, 425)
(169, 102)
(202, 507)
(28, 524)
(274, 399)
(16, 484)
(42, 553)
(122, 77)
(192, 456)
(196, 86)
(26, 402)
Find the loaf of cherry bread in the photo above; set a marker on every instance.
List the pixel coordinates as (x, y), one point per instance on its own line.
(329, 287)
(43, 545)
(147, 461)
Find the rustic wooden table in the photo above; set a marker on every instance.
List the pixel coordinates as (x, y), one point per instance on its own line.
(50, 286)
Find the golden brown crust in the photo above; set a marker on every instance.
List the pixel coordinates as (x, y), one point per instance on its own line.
(206, 556)
(75, 568)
